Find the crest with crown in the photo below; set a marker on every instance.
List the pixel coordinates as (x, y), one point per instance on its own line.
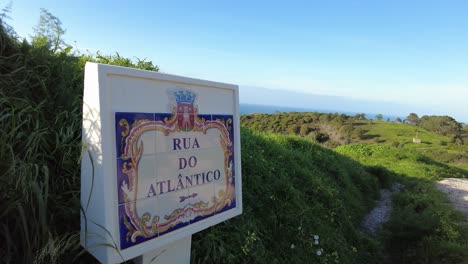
(184, 97)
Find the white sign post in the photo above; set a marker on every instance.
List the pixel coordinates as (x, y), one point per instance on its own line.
(161, 162)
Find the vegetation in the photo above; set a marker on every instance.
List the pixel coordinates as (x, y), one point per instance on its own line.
(423, 227)
(329, 129)
(294, 188)
(413, 119)
(333, 130)
(288, 200)
(41, 86)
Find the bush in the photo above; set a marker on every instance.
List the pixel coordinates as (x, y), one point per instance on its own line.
(422, 229)
(294, 189)
(40, 147)
(359, 133)
(382, 174)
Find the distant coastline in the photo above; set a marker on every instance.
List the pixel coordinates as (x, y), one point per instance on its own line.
(271, 109)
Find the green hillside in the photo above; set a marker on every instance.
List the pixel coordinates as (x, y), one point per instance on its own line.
(294, 188)
(433, 145)
(331, 193)
(390, 132)
(333, 130)
(424, 228)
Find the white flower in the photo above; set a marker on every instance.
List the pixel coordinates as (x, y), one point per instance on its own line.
(316, 237)
(292, 246)
(319, 252)
(299, 228)
(316, 242)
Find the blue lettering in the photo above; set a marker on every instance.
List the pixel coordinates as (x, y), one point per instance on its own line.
(217, 174)
(195, 143)
(161, 186)
(180, 184)
(188, 180)
(169, 186)
(175, 143)
(208, 176)
(151, 191)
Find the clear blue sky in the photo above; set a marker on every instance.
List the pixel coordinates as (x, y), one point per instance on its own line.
(408, 52)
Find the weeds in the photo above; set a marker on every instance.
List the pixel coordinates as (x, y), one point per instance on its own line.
(302, 202)
(294, 195)
(40, 148)
(424, 227)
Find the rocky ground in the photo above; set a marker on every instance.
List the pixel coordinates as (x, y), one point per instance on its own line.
(457, 191)
(381, 213)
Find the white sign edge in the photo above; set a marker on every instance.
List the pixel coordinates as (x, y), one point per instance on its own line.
(110, 200)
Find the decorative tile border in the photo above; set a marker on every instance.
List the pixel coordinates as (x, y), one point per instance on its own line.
(180, 195)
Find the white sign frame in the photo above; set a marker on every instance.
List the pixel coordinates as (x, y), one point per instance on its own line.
(99, 199)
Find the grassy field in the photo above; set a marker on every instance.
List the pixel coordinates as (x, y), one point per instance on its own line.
(435, 146)
(389, 132)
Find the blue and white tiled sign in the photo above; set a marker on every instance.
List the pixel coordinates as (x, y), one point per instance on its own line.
(173, 169)
(161, 160)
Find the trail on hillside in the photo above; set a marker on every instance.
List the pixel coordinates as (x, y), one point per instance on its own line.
(381, 213)
(457, 191)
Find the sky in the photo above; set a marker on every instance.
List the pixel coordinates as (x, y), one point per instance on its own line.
(408, 53)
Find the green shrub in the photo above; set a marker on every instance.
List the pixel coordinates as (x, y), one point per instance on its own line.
(294, 189)
(423, 229)
(383, 175)
(40, 147)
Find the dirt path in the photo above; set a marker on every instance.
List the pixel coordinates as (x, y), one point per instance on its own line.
(381, 213)
(457, 191)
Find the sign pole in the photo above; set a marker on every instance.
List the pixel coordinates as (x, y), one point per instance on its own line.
(177, 252)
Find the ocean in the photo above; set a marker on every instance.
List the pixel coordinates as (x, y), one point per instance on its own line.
(271, 109)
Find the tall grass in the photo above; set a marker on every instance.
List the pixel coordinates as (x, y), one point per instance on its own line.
(423, 227)
(40, 148)
(40, 117)
(292, 190)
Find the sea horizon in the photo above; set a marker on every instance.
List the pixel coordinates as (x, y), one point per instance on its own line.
(272, 109)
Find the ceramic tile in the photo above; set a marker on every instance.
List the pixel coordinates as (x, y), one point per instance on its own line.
(172, 210)
(147, 177)
(162, 116)
(148, 141)
(201, 197)
(224, 190)
(170, 165)
(160, 119)
(125, 123)
(144, 186)
(126, 221)
(188, 140)
(228, 121)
